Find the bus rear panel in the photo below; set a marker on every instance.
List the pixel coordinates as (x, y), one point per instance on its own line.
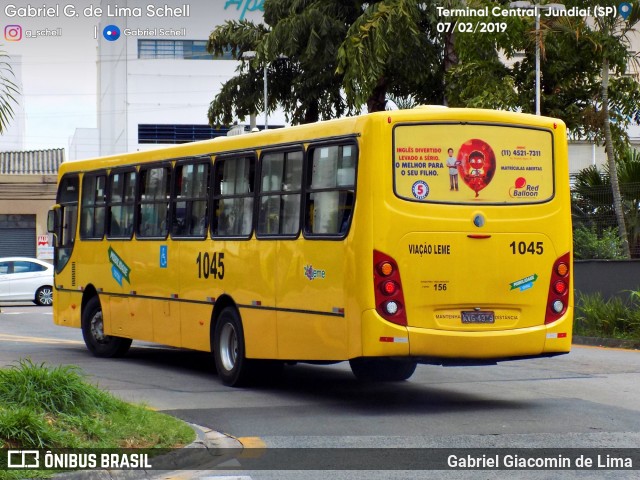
(480, 251)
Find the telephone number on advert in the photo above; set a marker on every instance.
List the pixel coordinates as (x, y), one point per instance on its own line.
(470, 27)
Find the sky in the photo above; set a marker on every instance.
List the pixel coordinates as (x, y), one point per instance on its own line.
(58, 72)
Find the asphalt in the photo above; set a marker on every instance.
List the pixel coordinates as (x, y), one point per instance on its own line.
(211, 448)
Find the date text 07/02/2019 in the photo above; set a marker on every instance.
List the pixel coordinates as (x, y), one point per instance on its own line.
(470, 27)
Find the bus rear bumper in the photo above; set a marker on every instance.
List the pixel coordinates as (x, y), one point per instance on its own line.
(385, 339)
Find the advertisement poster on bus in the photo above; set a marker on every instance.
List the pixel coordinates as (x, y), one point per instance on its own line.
(473, 164)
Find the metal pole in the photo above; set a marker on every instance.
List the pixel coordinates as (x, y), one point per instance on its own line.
(266, 98)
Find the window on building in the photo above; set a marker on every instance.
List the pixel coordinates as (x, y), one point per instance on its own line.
(92, 218)
(178, 49)
(330, 190)
(234, 186)
(122, 187)
(153, 202)
(280, 191)
(177, 133)
(189, 206)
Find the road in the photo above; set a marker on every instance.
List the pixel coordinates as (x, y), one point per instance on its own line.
(587, 399)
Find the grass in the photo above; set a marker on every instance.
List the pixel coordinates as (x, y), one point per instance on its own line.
(45, 407)
(614, 317)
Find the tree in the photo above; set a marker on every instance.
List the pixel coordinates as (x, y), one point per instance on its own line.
(610, 35)
(326, 58)
(579, 54)
(393, 48)
(593, 198)
(8, 92)
(298, 46)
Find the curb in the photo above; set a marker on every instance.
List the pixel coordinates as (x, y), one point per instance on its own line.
(607, 342)
(220, 448)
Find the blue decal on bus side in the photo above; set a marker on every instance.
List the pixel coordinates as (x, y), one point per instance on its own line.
(163, 256)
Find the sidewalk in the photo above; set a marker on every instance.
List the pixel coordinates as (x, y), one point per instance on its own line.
(217, 445)
(606, 342)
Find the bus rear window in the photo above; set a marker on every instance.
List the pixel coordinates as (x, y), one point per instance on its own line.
(473, 164)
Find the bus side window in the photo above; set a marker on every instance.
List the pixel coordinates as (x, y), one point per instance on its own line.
(92, 216)
(154, 202)
(189, 206)
(331, 190)
(234, 186)
(121, 204)
(280, 194)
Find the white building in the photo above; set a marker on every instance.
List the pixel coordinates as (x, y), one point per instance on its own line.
(156, 81)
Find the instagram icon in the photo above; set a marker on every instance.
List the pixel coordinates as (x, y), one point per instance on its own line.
(13, 33)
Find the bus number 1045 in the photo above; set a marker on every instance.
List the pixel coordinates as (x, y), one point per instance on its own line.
(534, 248)
(210, 265)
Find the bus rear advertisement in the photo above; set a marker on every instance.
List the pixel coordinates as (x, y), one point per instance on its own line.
(431, 235)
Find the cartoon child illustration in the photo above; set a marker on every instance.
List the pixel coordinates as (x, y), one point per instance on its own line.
(476, 161)
(452, 163)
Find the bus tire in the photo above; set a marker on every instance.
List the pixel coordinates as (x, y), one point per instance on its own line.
(382, 369)
(99, 344)
(228, 348)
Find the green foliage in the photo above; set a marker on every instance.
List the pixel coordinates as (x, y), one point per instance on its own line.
(593, 197)
(8, 92)
(22, 426)
(53, 407)
(609, 318)
(325, 58)
(54, 390)
(298, 46)
(481, 84)
(392, 47)
(588, 244)
(572, 51)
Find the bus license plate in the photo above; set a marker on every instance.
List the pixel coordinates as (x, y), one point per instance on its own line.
(478, 317)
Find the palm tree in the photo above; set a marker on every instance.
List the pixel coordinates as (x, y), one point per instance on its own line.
(611, 39)
(8, 92)
(593, 198)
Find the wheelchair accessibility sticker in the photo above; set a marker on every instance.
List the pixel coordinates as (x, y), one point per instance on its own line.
(163, 256)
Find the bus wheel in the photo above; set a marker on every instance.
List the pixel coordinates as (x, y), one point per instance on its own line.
(234, 369)
(382, 369)
(97, 342)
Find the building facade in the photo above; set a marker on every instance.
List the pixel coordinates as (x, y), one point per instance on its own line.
(27, 192)
(155, 76)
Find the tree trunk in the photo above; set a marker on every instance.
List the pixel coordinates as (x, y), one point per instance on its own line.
(611, 161)
(311, 114)
(450, 58)
(377, 101)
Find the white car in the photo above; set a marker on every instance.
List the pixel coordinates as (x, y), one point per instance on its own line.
(26, 279)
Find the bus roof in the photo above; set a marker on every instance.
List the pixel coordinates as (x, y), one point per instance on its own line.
(308, 132)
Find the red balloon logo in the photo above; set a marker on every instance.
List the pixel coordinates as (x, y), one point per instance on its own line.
(477, 164)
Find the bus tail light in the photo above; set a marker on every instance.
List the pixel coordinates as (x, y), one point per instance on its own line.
(388, 289)
(558, 298)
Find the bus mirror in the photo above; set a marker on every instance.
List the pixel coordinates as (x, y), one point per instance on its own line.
(52, 220)
(53, 224)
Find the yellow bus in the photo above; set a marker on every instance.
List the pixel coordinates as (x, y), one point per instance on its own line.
(431, 235)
